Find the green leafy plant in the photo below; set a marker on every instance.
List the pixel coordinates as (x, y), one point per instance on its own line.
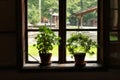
(80, 43)
(45, 40)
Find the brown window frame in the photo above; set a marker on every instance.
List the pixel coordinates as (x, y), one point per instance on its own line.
(62, 22)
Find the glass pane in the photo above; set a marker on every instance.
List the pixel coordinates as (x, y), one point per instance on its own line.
(81, 14)
(43, 12)
(114, 20)
(114, 4)
(113, 36)
(93, 36)
(33, 52)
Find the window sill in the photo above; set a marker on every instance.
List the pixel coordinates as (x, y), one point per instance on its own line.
(64, 67)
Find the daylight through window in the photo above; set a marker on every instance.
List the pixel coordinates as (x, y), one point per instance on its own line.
(80, 16)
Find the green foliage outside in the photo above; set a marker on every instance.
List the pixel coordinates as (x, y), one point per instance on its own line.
(46, 5)
(73, 6)
(33, 15)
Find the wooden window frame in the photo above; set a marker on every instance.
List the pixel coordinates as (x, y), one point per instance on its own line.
(62, 22)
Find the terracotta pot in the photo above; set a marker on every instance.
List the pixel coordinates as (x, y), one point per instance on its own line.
(79, 59)
(45, 58)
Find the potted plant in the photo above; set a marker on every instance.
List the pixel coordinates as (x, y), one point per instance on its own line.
(44, 43)
(79, 45)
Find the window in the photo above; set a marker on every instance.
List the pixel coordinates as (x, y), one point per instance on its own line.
(114, 34)
(64, 17)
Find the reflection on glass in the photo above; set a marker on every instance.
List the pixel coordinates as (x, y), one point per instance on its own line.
(113, 36)
(33, 52)
(93, 36)
(114, 3)
(114, 19)
(43, 12)
(81, 14)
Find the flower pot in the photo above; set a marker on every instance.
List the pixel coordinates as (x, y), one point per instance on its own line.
(79, 59)
(45, 59)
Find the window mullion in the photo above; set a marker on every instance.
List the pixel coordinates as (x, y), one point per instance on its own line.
(62, 31)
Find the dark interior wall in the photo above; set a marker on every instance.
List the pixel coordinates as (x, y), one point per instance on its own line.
(8, 58)
(7, 33)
